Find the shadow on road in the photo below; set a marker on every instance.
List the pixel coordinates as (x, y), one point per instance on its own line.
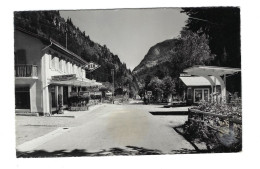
(169, 112)
(197, 149)
(130, 150)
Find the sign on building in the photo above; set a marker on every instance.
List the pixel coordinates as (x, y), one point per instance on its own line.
(73, 93)
(64, 77)
(84, 93)
(92, 66)
(149, 93)
(98, 93)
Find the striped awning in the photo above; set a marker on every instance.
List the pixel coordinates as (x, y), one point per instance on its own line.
(76, 82)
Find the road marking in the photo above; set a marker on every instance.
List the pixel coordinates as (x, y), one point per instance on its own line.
(32, 144)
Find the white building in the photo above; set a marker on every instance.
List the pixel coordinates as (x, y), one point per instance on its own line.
(43, 70)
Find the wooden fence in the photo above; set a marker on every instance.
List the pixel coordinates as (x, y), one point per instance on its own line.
(199, 116)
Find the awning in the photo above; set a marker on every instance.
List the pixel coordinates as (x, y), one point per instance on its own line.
(73, 81)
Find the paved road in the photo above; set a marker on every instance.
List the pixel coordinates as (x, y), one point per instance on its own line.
(114, 130)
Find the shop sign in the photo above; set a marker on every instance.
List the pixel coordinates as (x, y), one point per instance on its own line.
(84, 93)
(98, 93)
(92, 66)
(73, 93)
(184, 75)
(64, 77)
(149, 93)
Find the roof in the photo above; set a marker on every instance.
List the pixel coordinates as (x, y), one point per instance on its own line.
(211, 70)
(53, 43)
(56, 44)
(197, 81)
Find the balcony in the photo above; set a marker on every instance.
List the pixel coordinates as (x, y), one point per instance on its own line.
(26, 71)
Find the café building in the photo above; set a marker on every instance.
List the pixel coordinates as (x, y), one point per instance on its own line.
(197, 88)
(45, 69)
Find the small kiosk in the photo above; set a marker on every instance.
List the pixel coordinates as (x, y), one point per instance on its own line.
(213, 74)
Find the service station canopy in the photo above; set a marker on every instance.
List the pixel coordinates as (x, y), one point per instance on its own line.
(211, 70)
(217, 72)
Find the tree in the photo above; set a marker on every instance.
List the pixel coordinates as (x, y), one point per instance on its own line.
(169, 86)
(222, 25)
(191, 49)
(157, 86)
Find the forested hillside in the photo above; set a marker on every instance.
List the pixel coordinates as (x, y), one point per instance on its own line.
(170, 57)
(52, 25)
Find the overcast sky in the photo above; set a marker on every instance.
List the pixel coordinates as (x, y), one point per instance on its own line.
(129, 33)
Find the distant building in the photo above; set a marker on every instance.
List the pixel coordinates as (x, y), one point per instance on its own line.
(43, 70)
(197, 88)
(215, 76)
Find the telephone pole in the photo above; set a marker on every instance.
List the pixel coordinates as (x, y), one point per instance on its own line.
(113, 81)
(66, 31)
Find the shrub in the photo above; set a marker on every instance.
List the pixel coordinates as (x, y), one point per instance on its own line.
(75, 101)
(205, 130)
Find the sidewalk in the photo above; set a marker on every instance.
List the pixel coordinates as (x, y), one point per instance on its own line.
(76, 114)
(31, 127)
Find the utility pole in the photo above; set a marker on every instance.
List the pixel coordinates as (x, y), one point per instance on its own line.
(66, 39)
(66, 30)
(113, 89)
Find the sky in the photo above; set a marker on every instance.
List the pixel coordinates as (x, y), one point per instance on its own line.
(129, 33)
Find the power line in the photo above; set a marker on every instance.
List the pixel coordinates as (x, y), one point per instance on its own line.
(204, 20)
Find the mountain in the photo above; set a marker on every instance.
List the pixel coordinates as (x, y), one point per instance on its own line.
(157, 54)
(156, 62)
(51, 25)
(170, 57)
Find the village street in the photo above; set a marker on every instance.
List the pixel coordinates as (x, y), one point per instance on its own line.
(110, 129)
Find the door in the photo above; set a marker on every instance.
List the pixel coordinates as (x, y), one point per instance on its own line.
(22, 98)
(65, 95)
(52, 98)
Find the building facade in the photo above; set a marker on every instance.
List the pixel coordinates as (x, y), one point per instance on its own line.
(197, 88)
(44, 70)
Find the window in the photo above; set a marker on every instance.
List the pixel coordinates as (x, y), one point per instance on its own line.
(52, 62)
(83, 73)
(206, 95)
(66, 66)
(72, 68)
(189, 93)
(60, 64)
(56, 63)
(79, 70)
(20, 57)
(75, 69)
(201, 94)
(70, 71)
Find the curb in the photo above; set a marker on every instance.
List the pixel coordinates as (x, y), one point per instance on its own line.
(91, 108)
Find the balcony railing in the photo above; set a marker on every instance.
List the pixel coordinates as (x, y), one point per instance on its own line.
(26, 71)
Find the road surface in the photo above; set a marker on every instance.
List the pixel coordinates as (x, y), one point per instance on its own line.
(112, 130)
